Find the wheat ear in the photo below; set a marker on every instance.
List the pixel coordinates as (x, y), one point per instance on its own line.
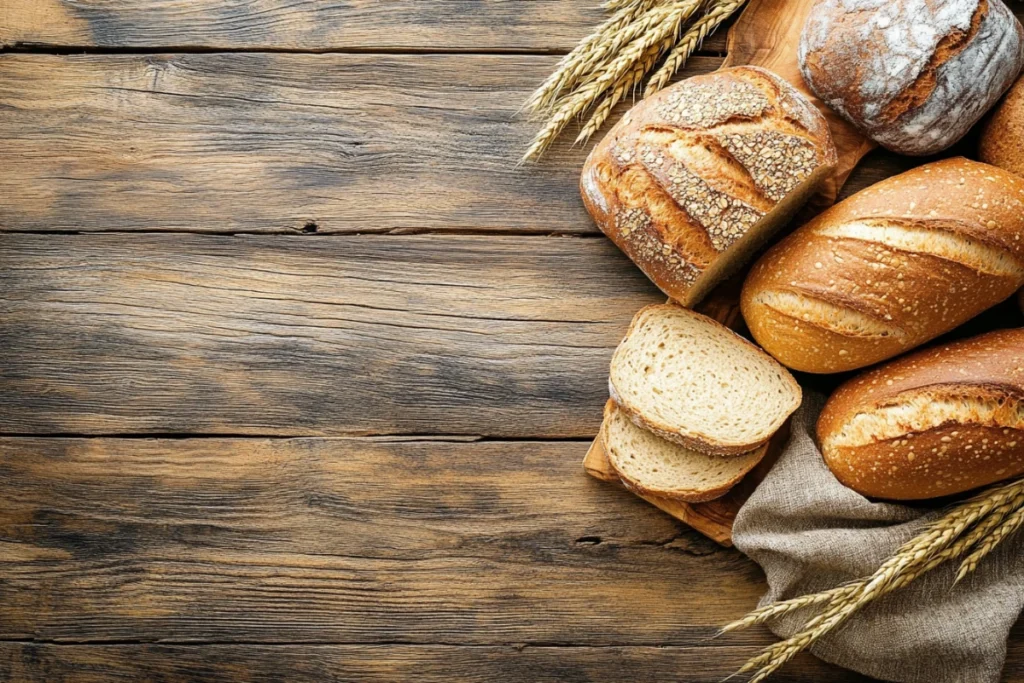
(631, 18)
(989, 543)
(573, 105)
(633, 76)
(690, 42)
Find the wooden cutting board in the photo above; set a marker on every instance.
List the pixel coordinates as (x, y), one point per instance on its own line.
(766, 35)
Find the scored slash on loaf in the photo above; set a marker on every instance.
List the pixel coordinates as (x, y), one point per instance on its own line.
(695, 178)
(937, 422)
(890, 268)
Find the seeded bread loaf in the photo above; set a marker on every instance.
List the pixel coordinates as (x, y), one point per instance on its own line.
(1002, 139)
(890, 268)
(913, 75)
(693, 179)
(652, 466)
(691, 380)
(937, 422)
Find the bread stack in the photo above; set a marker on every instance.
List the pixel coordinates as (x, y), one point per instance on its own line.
(695, 179)
(679, 423)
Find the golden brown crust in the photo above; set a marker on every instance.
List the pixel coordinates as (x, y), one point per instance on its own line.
(937, 422)
(692, 170)
(890, 268)
(1002, 138)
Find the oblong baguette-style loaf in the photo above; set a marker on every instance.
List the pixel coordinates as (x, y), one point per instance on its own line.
(695, 178)
(890, 268)
(693, 381)
(652, 466)
(913, 75)
(937, 422)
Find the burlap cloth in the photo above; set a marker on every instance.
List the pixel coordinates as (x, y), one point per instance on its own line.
(809, 533)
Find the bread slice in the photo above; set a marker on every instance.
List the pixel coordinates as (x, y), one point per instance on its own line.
(693, 381)
(650, 465)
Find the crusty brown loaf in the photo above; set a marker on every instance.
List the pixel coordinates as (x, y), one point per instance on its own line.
(935, 423)
(890, 268)
(913, 75)
(696, 177)
(1002, 140)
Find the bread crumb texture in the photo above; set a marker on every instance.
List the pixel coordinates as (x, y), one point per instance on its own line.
(692, 380)
(698, 167)
(938, 422)
(890, 268)
(651, 465)
(914, 75)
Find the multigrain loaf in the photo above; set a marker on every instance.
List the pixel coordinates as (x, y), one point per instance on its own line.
(890, 268)
(1002, 138)
(693, 179)
(913, 75)
(652, 466)
(937, 422)
(693, 381)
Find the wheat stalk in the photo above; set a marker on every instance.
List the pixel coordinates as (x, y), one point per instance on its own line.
(691, 41)
(633, 76)
(994, 515)
(571, 106)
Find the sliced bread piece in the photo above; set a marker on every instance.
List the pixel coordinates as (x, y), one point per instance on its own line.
(695, 382)
(650, 465)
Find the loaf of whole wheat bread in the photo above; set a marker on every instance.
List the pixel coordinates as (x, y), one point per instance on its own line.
(935, 423)
(1002, 138)
(913, 75)
(890, 268)
(695, 178)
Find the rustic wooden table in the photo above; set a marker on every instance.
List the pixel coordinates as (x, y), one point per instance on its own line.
(297, 368)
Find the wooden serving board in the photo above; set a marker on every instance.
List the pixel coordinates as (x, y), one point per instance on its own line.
(766, 34)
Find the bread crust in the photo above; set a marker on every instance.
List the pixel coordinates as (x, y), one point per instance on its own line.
(691, 438)
(682, 183)
(1002, 138)
(938, 422)
(913, 76)
(685, 495)
(890, 268)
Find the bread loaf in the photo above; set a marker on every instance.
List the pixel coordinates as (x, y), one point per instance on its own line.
(691, 380)
(938, 422)
(890, 268)
(1002, 139)
(693, 179)
(652, 466)
(913, 75)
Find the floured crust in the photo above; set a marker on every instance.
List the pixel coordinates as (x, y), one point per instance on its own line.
(913, 75)
(890, 268)
(696, 169)
(935, 423)
(688, 495)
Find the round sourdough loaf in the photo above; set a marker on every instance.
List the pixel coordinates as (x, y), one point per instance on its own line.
(1002, 139)
(937, 422)
(890, 268)
(695, 178)
(913, 75)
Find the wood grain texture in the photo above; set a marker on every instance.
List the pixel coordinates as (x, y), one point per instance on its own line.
(276, 142)
(446, 25)
(347, 541)
(310, 335)
(388, 664)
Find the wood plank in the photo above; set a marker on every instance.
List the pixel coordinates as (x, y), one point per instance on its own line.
(347, 541)
(463, 25)
(422, 663)
(310, 335)
(273, 142)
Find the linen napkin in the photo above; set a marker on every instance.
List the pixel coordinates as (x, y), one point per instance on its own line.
(810, 533)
